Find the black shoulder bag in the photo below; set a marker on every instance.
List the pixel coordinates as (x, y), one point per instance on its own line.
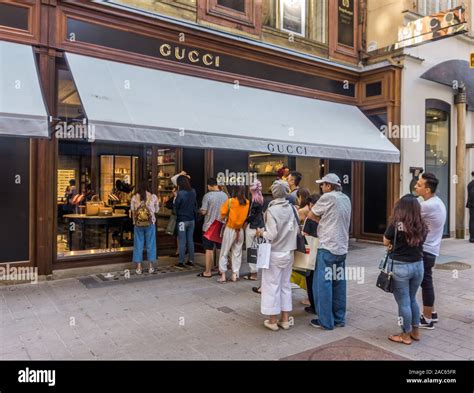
(300, 239)
(385, 278)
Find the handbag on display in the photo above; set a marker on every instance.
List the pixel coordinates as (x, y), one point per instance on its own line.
(263, 255)
(385, 278)
(300, 239)
(92, 208)
(214, 232)
(307, 261)
(105, 211)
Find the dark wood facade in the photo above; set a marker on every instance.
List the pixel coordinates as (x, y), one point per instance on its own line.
(48, 33)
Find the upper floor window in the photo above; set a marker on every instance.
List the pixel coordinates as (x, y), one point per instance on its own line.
(244, 15)
(300, 18)
(430, 7)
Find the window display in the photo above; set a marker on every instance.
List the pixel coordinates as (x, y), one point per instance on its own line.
(166, 169)
(95, 218)
(267, 167)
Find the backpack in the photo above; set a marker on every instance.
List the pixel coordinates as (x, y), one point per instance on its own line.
(143, 216)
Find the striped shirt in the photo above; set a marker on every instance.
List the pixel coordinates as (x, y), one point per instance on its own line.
(211, 203)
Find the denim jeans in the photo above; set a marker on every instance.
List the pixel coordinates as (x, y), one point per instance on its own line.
(142, 236)
(329, 291)
(185, 237)
(407, 278)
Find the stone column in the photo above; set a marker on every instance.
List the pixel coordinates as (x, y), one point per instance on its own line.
(460, 99)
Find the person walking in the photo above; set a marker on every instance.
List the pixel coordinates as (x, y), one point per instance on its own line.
(433, 212)
(333, 212)
(186, 210)
(405, 236)
(211, 210)
(143, 206)
(253, 222)
(281, 230)
(470, 206)
(235, 211)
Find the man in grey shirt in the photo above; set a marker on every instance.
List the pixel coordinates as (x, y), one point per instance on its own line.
(211, 210)
(333, 212)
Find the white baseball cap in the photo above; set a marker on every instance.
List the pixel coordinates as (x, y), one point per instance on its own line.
(331, 178)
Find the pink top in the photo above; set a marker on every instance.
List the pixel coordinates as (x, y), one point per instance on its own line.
(151, 202)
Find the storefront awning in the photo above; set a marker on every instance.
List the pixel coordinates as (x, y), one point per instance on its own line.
(22, 108)
(135, 104)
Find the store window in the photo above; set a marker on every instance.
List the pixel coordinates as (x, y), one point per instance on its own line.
(14, 199)
(167, 168)
(437, 148)
(375, 188)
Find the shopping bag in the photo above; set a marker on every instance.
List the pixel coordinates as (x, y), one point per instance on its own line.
(170, 229)
(213, 233)
(252, 251)
(263, 255)
(307, 261)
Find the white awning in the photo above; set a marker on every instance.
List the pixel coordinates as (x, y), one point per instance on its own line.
(22, 108)
(134, 104)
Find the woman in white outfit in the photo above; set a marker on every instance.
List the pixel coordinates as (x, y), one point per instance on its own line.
(281, 229)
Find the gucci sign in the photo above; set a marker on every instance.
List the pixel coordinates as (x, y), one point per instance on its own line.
(186, 55)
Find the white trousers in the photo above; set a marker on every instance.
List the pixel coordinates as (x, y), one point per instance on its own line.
(249, 238)
(233, 246)
(276, 285)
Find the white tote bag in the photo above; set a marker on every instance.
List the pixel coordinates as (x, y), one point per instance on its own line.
(263, 255)
(307, 261)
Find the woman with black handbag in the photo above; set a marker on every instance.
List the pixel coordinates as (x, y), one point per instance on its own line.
(407, 232)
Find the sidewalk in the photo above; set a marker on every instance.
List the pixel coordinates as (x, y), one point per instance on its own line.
(181, 316)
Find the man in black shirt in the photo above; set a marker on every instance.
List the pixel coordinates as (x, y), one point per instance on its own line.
(470, 206)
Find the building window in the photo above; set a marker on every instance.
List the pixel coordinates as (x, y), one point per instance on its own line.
(437, 148)
(303, 18)
(430, 7)
(293, 16)
(244, 15)
(236, 5)
(14, 16)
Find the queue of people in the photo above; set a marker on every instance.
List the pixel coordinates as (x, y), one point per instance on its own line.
(412, 237)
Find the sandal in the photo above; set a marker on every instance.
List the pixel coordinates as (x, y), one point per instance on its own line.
(249, 277)
(202, 275)
(234, 277)
(221, 281)
(138, 270)
(256, 290)
(397, 338)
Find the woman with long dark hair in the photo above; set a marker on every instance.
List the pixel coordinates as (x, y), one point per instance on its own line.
(144, 205)
(404, 237)
(253, 222)
(234, 211)
(186, 210)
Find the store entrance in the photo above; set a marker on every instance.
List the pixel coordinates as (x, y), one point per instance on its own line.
(194, 165)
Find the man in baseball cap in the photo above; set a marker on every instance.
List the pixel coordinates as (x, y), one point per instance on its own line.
(333, 212)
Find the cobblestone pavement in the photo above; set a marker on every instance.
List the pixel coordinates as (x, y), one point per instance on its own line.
(181, 316)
